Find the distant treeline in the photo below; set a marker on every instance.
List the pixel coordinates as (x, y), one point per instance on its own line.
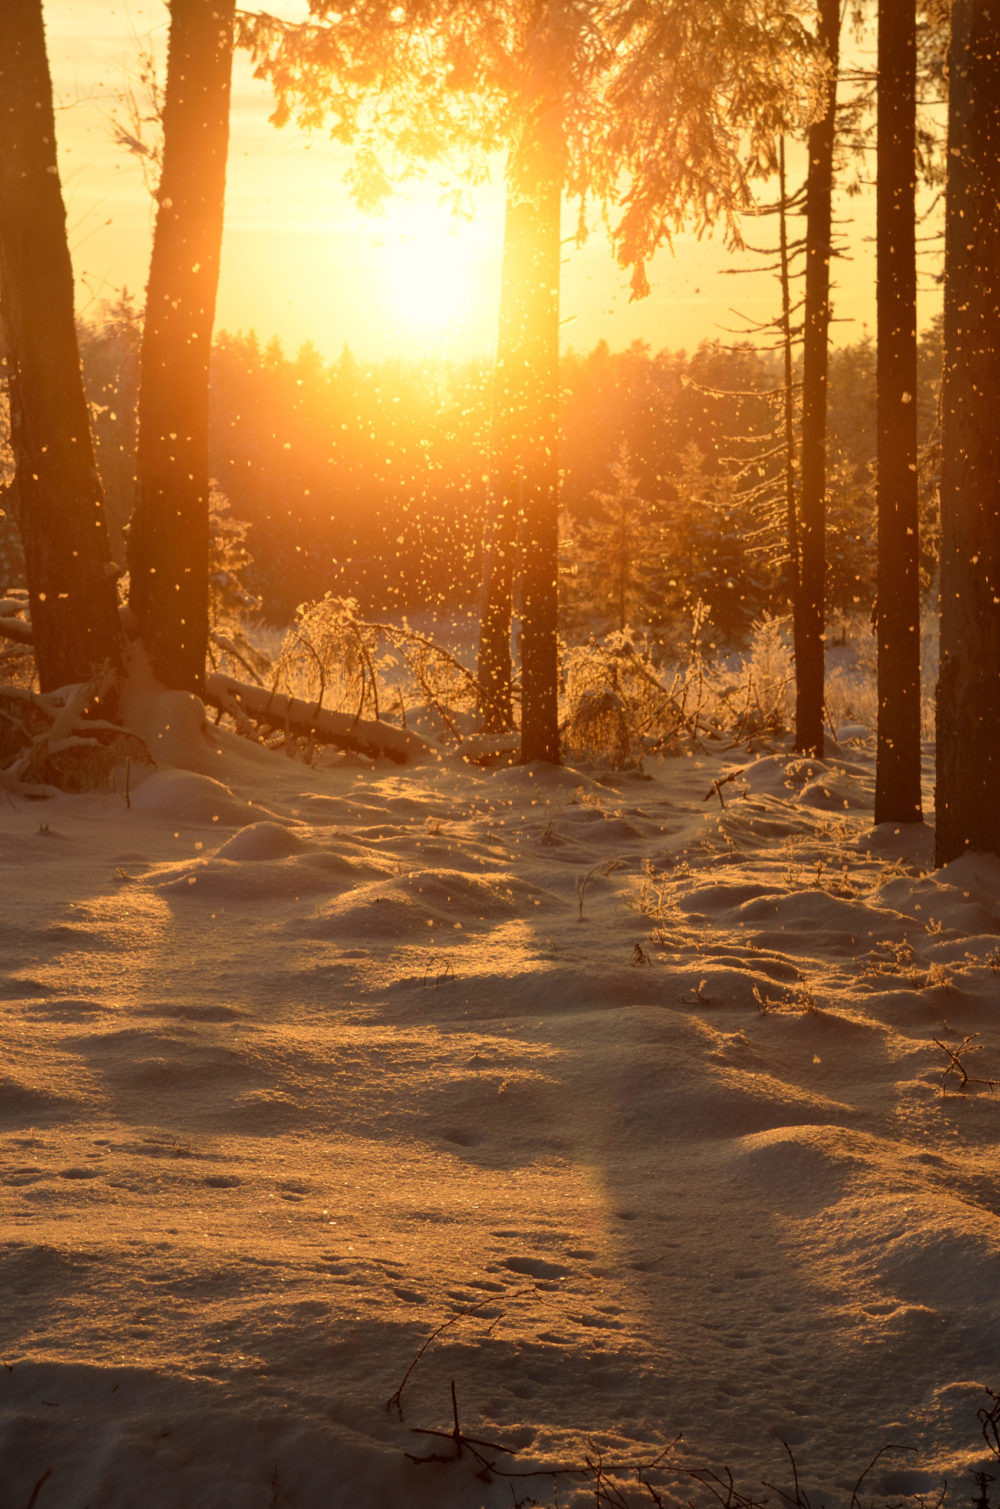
(370, 479)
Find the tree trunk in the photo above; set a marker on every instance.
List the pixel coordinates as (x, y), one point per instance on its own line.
(169, 533)
(496, 703)
(788, 404)
(56, 493)
(815, 360)
(540, 519)
(524, 466)
(968, 693)
(897, 616)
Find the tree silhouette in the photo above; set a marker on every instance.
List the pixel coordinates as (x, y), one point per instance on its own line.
(897, 620)
(169, 535)
(682, 109)
(968, 694)
(811, 622)
(56, 493)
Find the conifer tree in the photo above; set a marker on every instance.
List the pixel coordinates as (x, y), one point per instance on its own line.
(897, 619)
(168, 547)
(968, 692)
(55, 492)
(616, 551)
(811, 623)
(684, 110)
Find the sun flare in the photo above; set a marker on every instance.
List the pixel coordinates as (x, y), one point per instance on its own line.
(431, 268)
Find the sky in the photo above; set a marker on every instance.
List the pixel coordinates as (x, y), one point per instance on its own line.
(301, 262)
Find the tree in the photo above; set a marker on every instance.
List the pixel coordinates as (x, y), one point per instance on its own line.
(168, 545)
(811, 618)
(55, 493)
(968, 692)
(524, 467)
(683, 109)
(897, 618)
(615, 548)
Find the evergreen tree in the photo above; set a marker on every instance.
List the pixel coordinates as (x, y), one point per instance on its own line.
(168, 548)
(897, 620)
(810, 620)
(55, 491)
(968, 693)
(617, 554)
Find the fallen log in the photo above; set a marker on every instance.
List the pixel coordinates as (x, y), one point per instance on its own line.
(48, 743)
(255, 706)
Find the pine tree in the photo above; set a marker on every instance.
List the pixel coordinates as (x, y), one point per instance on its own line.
(55, 492)
(168, 546)
(811, 621)
(968, 693)
(637, 93)
(897, 621)
(617, 552)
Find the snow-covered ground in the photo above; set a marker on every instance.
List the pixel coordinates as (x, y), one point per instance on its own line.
(627, 1102)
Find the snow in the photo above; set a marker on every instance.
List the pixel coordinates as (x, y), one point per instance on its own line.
(620, 1090)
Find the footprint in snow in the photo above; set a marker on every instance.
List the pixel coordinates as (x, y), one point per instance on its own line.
(535, 1267)
(410, 1296)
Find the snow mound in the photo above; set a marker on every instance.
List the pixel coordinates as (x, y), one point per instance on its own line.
(264, 840)
(188, 797)
(410, 905)
(623, 1111)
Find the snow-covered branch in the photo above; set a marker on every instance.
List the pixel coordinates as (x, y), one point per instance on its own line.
(293, 715)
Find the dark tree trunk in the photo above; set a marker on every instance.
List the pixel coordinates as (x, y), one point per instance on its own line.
(510, 394)
(56, 493)
(524, 469)
(169, 533)
(540, 522)
(897, 617)
(968, 694)
(815, 361)
(788, 401)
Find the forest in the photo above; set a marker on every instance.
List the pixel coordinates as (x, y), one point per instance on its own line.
(368, 481)
(500, 867)
(745, 498)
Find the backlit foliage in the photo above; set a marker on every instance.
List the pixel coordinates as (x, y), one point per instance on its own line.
(669, 112)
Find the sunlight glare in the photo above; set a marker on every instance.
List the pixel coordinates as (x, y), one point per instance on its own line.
(430, 267)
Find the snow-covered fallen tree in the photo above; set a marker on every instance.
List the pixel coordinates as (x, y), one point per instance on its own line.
(253, 707)
(48, 741)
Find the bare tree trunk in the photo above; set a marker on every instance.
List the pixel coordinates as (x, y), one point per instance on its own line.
(788, 401)
(56, 493)
(968, 693)
(897, 617)
(509, 423)
(540, 523)
(815, 361)
(169, 534)
(524, 466)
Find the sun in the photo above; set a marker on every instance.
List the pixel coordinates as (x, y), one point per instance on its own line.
(431, 269)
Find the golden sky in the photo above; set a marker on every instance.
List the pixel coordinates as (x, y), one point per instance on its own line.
(301, 262)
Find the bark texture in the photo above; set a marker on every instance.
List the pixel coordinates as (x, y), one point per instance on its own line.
(968, 694)
(169, 533)
(56, 493)
(897, 616)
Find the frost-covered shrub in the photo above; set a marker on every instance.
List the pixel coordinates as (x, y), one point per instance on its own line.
(758, 698)
(338, 660)
(230, 648)
(614, 701)
(327, 657)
